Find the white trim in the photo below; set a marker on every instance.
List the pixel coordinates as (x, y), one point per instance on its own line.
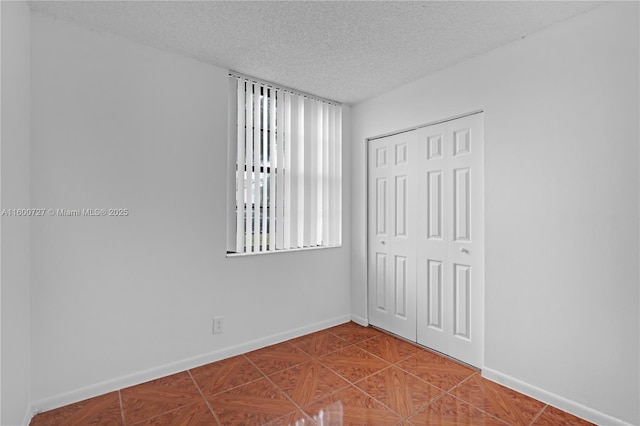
(260, 253)
(178, 366)
(432, 123)
(552, 399)
(360, 320)
(28, 415)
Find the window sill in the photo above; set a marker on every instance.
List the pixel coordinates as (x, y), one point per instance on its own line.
(261, 253)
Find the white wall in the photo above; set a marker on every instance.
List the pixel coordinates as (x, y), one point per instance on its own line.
(14, 194)
(117, 300)
(562, 195)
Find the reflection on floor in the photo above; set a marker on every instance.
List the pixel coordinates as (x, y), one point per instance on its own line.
(345, 375)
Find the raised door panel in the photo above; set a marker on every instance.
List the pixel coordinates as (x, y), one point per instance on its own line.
(381, 206)
(380, 282)
(461, 301)
(434, 205)
(450, 276)
(400, 286)
(400, 206)
(434, 294)
(461, 204)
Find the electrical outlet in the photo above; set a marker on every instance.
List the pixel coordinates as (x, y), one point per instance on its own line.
(218, 325)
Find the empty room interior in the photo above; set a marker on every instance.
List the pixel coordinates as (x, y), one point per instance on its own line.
(184, 183)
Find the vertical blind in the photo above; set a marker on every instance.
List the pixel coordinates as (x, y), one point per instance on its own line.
(288, 169)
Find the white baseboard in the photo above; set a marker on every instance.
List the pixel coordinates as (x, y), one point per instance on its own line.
(176, 367)
(552, 399)
(359, 320)
(27, 416)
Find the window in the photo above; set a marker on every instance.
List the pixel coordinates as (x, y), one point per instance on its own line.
(286, 164)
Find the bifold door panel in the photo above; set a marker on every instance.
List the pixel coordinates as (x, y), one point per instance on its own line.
(392, 233)
(426, 236)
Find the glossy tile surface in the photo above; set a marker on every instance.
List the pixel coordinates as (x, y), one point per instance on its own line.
(101, 410)
(297, 418)
(257, 402)
(277, 357)
(450, 411)
(308, 382)
(159, 396)
(224, 375)
(435, 369)
(345, 375)
(320, 343)
(353, 363)
(508, 405)
(402, 392)
(389, 348)
(197, 414)
(552, 416)
(353, 333)
(351, 406)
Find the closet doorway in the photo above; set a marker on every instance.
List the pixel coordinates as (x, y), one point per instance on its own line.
(426, 236)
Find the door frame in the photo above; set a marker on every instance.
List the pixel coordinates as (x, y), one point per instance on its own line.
(368, 242)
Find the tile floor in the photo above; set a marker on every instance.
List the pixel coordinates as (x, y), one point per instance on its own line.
(345, 375)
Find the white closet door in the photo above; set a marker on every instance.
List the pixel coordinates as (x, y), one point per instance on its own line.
(392, 233)
(450, 250)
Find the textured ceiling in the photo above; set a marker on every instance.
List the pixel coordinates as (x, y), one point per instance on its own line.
(346, 51)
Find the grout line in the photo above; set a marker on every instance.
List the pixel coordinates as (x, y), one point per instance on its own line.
(318, 356)
(233, 387)
(298, 408)
(256, 367)
(392, 336)
(206, 401)
(349, 383)
(157, 415)
(502, 386)
(121, 407)
(422, 407)
(334, 372)
(538, 415)
(295, 404)
(425, 348)
(440, 394)
(279, 371)
(354, 385)
(376, 399)
(477, 408)
(420, 378)
(461, 382)
(341, 338)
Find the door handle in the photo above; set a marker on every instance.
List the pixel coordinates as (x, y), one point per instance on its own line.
(463, 250)
(383, 242)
